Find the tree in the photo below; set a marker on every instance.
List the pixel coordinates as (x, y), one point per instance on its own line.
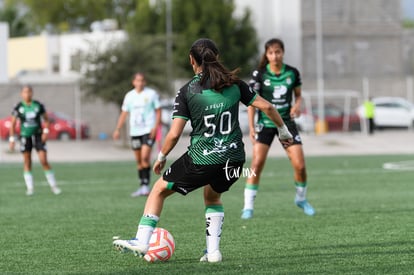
(75, 15)
(236, 37)
(19, 21)
(108, 75)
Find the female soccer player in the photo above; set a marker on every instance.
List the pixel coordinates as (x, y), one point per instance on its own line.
(30, 112)
(210, 100)
(277, 83)
(143, 105)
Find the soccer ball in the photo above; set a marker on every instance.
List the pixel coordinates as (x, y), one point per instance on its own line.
(161, 246)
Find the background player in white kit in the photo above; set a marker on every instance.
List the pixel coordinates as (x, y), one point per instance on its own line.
(143, 106)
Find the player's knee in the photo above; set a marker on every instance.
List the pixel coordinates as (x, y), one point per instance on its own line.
(144, 161)
(300, 167)
(212, 201)
(257, 164)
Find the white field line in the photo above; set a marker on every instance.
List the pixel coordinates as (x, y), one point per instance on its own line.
(407, 165)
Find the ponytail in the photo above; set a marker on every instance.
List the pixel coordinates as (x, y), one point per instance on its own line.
(205, 53)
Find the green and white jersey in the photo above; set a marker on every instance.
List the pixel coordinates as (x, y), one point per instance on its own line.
(277, 89)
(30, 117)
(216, 136)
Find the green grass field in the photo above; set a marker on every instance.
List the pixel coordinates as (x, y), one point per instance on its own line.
(364, 222)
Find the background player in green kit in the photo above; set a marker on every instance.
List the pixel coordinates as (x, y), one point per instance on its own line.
(277, 82)
(211, 102)
(30, 113)
(143, 106)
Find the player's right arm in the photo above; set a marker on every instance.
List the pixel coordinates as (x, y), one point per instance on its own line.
(11, 133)
(180, 115)
(176, 129)
(119, 124)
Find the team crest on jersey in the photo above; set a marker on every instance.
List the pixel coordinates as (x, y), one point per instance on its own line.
(21, 110)
(278, 91)
(289, 81)
(267, 82)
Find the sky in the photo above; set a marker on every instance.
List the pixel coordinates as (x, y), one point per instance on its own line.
(408, 9)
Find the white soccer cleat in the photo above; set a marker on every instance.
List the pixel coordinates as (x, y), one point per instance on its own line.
(56, 190)
(133, 246)
(29, 192)
(213, 257)
(144, 190)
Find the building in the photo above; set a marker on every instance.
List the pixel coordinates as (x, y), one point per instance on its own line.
(277, 18)
(56, 54)
(362, 41)
(4, 35)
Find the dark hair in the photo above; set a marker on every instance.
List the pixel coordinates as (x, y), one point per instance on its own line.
(268, 44)
(205, 53)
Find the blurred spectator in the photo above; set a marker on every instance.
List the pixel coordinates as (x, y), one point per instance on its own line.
(369, 111)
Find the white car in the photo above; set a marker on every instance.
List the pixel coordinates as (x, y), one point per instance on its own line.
(391, 112)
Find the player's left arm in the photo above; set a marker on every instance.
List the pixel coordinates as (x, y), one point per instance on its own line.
(171, 140)
(45, 130)
(295, 110)
(297, 91)
(157, 123)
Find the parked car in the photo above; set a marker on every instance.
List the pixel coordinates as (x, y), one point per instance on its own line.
(61, 127)
(334, 116)
(391, 112)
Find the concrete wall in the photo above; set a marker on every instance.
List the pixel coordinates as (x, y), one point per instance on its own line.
(280, 19)
(360, 38)
(408, 51)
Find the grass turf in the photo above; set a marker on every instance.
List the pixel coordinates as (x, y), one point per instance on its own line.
(364, 222)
